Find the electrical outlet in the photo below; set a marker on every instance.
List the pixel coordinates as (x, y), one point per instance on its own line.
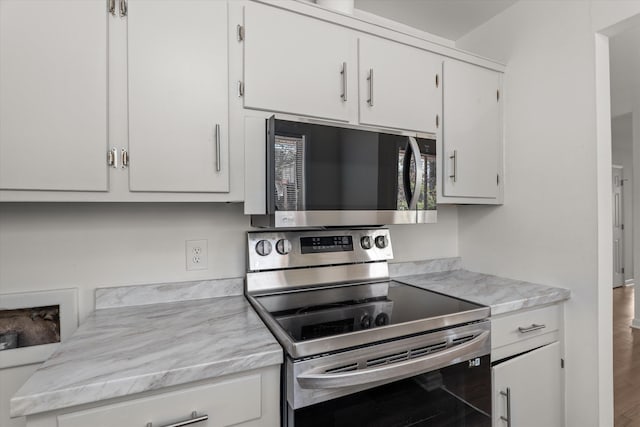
(196, 254)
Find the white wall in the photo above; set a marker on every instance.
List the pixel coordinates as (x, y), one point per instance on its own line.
(547, 230)
(87, 245)
(622, 155)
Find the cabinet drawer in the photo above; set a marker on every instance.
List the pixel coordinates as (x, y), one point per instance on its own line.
(226, 403)
(515, 333)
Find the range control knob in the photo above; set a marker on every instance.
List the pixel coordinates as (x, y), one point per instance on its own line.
(283, 246)
(366, 242)
(365, 321)
(263, 247)
(382, 241)
(382, 319)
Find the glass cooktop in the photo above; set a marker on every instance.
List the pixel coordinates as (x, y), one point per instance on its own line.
(334, 311)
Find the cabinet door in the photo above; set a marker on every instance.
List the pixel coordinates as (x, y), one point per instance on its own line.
(471, 130)
(403, 91)
(534, 382)
(225, 403)
(178, 96)
(53, 95)
(293, 64)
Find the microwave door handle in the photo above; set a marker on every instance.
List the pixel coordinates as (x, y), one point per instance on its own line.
(399, 370)
(417, 189)
(406, 174)
(271, 162)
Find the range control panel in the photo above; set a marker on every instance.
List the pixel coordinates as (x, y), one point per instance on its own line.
(269, 250)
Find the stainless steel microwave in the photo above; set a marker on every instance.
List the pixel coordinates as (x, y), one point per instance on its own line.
(332, 175)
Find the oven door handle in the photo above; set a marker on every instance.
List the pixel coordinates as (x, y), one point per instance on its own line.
(399, 370)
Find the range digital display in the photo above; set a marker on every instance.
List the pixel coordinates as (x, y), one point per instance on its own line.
(311, 245)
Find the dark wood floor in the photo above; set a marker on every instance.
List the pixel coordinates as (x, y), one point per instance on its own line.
(626, 360)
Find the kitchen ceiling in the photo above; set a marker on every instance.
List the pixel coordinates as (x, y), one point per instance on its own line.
(450, 19)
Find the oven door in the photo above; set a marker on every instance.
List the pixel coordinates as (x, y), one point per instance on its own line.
(437, 379)
(320, 175)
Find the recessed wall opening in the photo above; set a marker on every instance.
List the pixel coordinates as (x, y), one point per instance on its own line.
(26, 327)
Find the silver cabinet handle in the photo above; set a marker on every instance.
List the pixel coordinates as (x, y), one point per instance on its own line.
(240, 89)
(124, 158)
(454, 157)
(112, 7)
(531, 328)
(195, 418)
(217, 136)
(370, 80)
(343, 72)
(124, 8)
(315, 380)
(417, 157)
(507, 394)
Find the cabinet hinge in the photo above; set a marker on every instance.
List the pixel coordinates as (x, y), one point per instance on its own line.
(498, 95)
(498, 179)
(561, 363)
(622, 270)
(240, 89)
(124, 8)
(112, 157)
(240, 32)
(124, 158)
(622, 226)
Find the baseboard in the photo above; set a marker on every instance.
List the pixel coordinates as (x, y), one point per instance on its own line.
(635, 323)
(628, 282)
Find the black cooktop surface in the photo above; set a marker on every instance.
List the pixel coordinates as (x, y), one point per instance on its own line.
(320, 313)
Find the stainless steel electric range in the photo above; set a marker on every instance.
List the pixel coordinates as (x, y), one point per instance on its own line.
(361, 349)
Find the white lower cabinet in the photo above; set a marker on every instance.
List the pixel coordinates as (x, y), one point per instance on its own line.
(527, 373)
(249, 400)
(527, 390)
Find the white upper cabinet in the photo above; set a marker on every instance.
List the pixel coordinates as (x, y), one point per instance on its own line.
(298, 65)
(178, 96)
(471, 133)
(53, 95)
(399, 85)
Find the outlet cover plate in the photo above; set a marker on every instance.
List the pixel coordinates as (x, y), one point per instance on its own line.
(196, 255)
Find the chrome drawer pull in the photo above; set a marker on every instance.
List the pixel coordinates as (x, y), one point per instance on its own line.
(343, 73)
(195, 418)
(531, 328)
(507, 419)
(454, 157)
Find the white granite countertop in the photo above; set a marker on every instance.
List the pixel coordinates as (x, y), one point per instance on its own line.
(502, 295)
(131, 349)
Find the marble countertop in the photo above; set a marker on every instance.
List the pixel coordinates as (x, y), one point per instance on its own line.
(144, 338)
(131, 349)
(502, 295)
